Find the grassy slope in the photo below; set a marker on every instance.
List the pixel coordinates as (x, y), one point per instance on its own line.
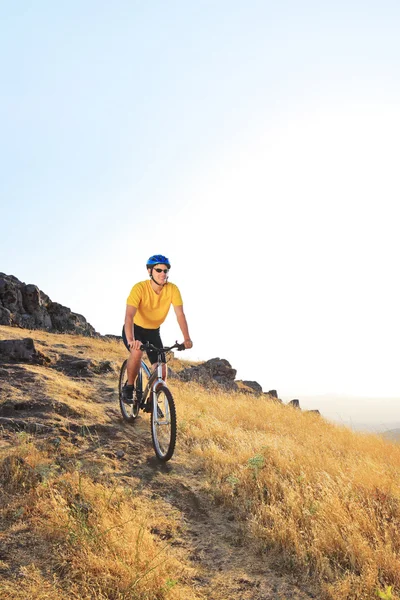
(79, 520)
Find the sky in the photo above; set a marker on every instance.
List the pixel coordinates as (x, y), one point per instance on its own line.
(256, 144)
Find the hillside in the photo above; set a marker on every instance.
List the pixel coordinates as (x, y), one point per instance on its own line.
(260, 500)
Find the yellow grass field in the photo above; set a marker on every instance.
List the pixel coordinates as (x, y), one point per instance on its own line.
(309, 501)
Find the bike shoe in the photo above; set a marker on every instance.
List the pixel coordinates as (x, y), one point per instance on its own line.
(127, 394)
(148, 407)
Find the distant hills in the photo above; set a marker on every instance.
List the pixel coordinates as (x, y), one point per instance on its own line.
(392, 434)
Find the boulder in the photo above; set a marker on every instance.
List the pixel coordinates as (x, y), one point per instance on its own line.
(272, 397)
(214, 371)
(314, 411)
(256, 387)
(21, 351)
(5, 316)
(294, 403)
(249, 387)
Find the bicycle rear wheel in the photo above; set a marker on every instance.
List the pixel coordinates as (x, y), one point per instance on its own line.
(129, 411)
(163, 424)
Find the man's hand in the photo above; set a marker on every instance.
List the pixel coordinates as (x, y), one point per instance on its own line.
(134, 345)
(188, 343)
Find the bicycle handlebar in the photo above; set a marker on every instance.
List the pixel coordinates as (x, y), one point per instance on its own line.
(149, 346)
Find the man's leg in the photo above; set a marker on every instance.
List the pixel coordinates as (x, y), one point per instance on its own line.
(132, 368)
(133, 365)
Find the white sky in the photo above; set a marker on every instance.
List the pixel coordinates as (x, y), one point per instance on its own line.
(254, 144)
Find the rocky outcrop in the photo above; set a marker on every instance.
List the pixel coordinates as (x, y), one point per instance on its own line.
(24, 351)
(27, 306)
(219, 372)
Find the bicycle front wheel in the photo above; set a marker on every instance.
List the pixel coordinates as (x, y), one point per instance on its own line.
(129, 411)
(163, 423)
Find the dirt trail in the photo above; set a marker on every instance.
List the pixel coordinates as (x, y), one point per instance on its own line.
(210, 534)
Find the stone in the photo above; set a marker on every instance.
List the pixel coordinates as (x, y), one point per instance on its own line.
(214, 371)
(5, 316)
(21, 351)
(254, 386)
(295, 403)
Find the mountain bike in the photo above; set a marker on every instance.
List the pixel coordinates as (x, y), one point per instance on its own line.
(152, 395)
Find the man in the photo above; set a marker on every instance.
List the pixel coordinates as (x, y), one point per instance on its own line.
(146, 309)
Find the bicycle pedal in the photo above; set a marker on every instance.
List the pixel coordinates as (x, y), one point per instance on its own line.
(148, 407)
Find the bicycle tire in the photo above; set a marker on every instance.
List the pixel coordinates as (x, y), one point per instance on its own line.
(129, 411)
(163, 425)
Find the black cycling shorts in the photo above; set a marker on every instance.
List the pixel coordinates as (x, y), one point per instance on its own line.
(146, 335)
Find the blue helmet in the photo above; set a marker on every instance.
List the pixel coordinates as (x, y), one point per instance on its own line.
(158, 259)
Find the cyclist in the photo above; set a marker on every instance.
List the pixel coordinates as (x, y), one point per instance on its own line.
(147, 307)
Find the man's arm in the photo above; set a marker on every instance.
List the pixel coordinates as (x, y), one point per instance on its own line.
(180, 315)
(129, 314)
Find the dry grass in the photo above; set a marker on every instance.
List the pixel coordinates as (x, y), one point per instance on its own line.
(95, 540)
(325, 499)
(70, 530)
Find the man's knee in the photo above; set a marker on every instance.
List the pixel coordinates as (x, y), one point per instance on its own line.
(135, 357)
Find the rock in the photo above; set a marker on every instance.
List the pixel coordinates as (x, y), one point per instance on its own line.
(172, 374)
(214, 371)
(272, 397)
(27, 306)
(65, 321)
(21, 351)
(295, 403)
(79, 364)
(5, 316)
(314, 411)
(273, 393)
(255, 387)
(105, 366)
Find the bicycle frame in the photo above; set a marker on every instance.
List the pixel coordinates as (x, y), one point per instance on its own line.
(154, 379)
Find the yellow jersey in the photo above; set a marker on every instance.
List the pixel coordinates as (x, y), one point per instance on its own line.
(152, 308)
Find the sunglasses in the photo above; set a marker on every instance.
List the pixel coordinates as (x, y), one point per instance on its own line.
(161, 270)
